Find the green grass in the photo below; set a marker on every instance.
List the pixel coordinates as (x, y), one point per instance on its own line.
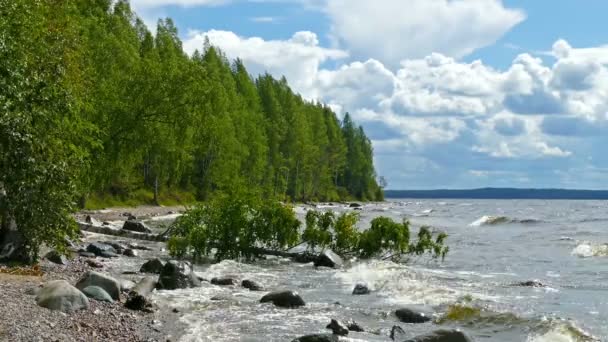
(139, 197)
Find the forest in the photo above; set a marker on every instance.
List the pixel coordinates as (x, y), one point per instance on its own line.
(95, 107)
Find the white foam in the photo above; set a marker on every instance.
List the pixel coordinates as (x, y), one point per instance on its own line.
(487, 220)
(587, 250)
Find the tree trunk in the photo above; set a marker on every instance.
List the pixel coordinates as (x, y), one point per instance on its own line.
(156, 191)
(138, 298)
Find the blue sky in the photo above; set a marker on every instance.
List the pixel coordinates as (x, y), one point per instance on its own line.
(453, 93)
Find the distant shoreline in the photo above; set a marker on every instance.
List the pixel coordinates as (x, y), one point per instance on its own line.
(500, 193)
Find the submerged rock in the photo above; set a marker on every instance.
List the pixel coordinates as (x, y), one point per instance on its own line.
(354, 326)
(97, 293)
(361, 289)
(152, 266)
(530, 283)
(177, 275)
(225, 281)
(107, 283)
(407, 315)
(337, 328)
(397, 333)
(442, 336)
(60, 295)
(98, 248)
(318, 338)
(56, 257)
(284, 299)
(136, 226)
(329, 259)
(252, 285)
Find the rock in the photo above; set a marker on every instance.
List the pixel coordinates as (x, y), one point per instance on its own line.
(221, 298)
(337, 328)
(354, 326)
(92, 221)
(109, 284)
(94, 263)
(130, 217)
(442, 336)
(117, 247)
(97, 248)
(136, 226)
(361, 289)
(530, 283)
(152, 266)
(318, 338)
(226, 281)
(106, 223)
(97, 293)
(55, 257)
(126, 285)
(252, 285)
(397, 333)
(177, 275)
(108, 254)
(355, 205)
(329, 259)
(130, 253)
(60, 295)
(407, 315)
(139, 247)
(86, 254)
(284, 299)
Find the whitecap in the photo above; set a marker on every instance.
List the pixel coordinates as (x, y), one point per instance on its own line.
(588, 250)
(489, 220)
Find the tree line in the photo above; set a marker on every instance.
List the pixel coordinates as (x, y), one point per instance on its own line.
(92, 103)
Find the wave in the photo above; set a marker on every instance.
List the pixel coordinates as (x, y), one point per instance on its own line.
(588, 249)
(489, 220)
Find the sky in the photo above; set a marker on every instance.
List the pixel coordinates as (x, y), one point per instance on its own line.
(452, 93)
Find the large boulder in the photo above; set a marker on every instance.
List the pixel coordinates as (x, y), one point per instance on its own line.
(60, 295)
(284, 299)
(361, 289)
(318, 338)
(99, 248)
(329, 259)
(177, 275)
(109, 284)
(152, 266)
(337, 328)
(97, 293)
(407, 315)
(136, 226)
(56, 257)
(442, 336)
(252, 285)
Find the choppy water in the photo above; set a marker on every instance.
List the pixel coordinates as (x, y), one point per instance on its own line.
(559, 243)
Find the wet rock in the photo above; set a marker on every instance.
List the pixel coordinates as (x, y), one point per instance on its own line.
(139, 247)
(106, 223)
(152, 266)
(177, 275)
(94, 263)
(354, 326)
(407, 315)
(221, 298)
(92, 221)
(442, 336)
(397, 333)
(130, 253)
(226, 281)
(329, 259)
(60, 295)
(97, 293)
(107, 283)
(136, 226)
(56, 257)
(252, 285)
(361, 289)
(355, 205)
(86, 254)
(530, 283)
(98, 248)
(108, 255)
(284, 299)
(318, 338)
(118, 248)
(337, 328)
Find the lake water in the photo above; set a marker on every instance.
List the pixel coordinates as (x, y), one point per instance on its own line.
(559, 243)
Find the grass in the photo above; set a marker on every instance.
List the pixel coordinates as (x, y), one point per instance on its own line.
(139, 197)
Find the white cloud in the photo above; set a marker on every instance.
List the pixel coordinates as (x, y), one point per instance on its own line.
(264, 19)
(392, 30)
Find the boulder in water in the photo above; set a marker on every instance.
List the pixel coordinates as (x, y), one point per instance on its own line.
(108, 254)
(97, 293)
(56, 257)
(152, 266)
(407, 315)
(355, 205)
(139, 247)
(318, 338)
(92, 221)
(329, 259)
(284, 299)
(98, 248)
(86, 254)
(337, 328)
(397, 333)
(129, 252)
(442, 336)
(177, 275)
(136, 226)
(361, 289)
(252, 285)
(60, 295)
(530, 283)
(354, 326)
(107, 283)
(224, 281)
